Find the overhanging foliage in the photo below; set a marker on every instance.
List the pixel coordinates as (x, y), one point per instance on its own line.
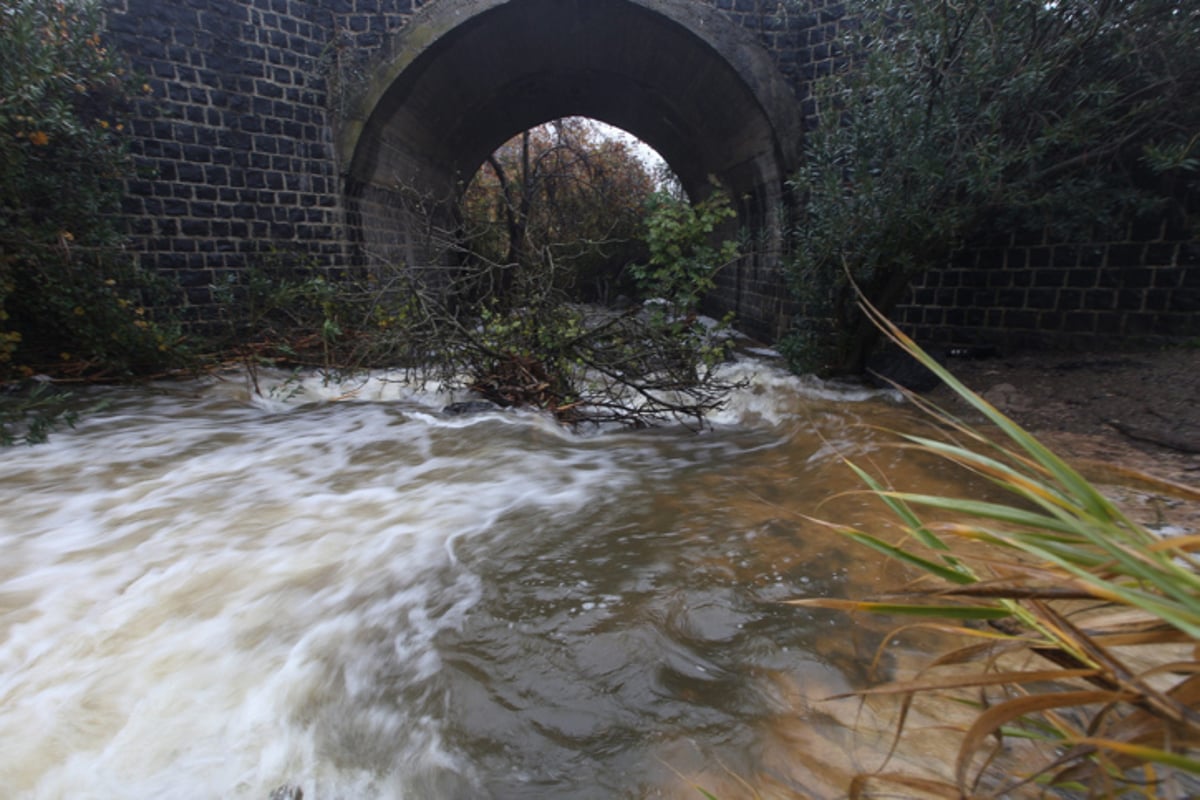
(949, 119)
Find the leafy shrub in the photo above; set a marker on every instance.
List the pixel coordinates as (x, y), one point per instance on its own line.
(951, 119)
(685, 255)
(29, 413)
(68, 293)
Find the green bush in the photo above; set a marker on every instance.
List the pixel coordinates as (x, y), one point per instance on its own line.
(950, 120)
(29, 412)
(68, 293)
(684, 256)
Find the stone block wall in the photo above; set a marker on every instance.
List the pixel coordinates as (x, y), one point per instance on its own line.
(803, 36)
(1140, 286)
(232, 141)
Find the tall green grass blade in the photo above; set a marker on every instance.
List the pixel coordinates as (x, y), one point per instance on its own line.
(1144, 753)
(1034, 487)
(1186, 618)
(1068, 477)
(898, 507)
(1059, 538)
(959, 575)
(982, 508)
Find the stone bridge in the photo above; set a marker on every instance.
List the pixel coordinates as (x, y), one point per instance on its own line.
(308, 131)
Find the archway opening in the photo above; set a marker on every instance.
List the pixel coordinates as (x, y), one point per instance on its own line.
(566, 200)
(467, 76)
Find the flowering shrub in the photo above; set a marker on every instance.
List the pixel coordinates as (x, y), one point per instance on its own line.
(67, 291)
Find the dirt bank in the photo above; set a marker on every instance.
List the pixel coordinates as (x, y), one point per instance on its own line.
(1111, 413)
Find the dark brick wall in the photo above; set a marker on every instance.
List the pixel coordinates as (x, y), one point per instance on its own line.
(1139, 286)
(802, 36)
(232, 141)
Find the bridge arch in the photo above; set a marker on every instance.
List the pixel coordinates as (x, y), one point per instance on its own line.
(463, 76)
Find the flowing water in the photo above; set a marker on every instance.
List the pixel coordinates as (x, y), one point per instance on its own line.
(209, 593)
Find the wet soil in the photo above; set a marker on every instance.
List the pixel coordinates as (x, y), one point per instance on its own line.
(1116, 415)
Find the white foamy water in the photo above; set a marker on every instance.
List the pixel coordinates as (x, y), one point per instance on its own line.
(208, 593)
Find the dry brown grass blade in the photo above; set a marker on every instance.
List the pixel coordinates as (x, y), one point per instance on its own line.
(1015, 678)
(1143, 727)
(1183, 544)
(1114, 672)
(1106, 472)
(931, 788)
(996, 644)
(990, 721)
(1162, 635)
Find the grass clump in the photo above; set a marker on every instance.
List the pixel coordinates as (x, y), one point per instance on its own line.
(1081, 624)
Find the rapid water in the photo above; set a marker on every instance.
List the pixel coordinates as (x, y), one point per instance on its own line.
(208, 593)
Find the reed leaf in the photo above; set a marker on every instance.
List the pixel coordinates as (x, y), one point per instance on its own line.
(1142, 753)
(1074, 483)
(905, 609)
(1059, 540)
(954, 574)
(985, 510)
(990, 721)
(900, 509)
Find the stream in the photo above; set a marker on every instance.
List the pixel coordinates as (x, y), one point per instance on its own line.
(334, 586)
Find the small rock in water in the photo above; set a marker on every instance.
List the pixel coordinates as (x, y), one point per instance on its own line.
(287, 792)
(1005, 397)
(469, 407)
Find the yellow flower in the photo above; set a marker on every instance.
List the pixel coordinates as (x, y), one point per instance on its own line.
(67, 235)
(104, 124)
(147, 88)
(78, 311)
(39, 138)
(65, 356)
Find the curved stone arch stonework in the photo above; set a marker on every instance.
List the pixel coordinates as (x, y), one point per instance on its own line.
(466, 75)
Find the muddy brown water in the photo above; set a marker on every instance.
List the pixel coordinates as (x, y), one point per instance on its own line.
(208, 593)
